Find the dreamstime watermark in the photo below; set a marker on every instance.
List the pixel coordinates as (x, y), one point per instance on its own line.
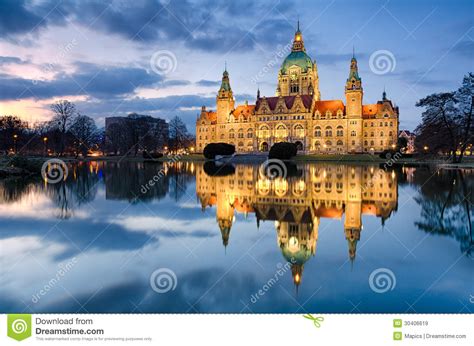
(272, 169)
(382, 62)
(60, 273)
(56, 59)
(163, 280)
(163, 62)
(275, 60)
(382, 280)
(54, 170)
(281, 270)
(156, 178)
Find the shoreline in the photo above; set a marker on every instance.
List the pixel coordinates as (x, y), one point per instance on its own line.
(258, 158)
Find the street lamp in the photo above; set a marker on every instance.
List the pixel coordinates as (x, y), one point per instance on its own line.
(15, 137)
(45, 143)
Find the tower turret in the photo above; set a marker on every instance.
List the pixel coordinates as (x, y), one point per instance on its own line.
(225, 99)
(354, 94)
(224, 105)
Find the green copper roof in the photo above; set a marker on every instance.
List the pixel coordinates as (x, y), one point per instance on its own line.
(300, 59)
(354, 71)
(299, 257)
(225, 85)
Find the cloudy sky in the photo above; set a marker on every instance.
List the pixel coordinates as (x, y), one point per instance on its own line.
(166, 57)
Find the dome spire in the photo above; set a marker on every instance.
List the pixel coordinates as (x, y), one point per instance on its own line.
(225, 84)
(298, 44)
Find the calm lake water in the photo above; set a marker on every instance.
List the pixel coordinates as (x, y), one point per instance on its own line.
(326, 238)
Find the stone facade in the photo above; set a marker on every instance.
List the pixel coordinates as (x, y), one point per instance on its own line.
(297, 114)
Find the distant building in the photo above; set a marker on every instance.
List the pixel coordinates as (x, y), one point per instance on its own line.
(410, 136)
(123, 133)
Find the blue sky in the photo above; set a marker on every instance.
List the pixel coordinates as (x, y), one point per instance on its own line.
(166, 58)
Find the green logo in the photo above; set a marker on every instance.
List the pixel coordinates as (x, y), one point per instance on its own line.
(397, 323)
(316, 320)
(19, 326)
(397, 335)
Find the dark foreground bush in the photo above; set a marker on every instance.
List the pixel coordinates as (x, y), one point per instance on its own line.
(213, 149)
(283, 151)
(151, 155)
(213, 170)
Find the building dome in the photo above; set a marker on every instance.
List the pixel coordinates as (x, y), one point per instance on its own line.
(300, 59)
(297, 257)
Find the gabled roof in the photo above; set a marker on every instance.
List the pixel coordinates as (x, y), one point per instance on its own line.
(289, 101)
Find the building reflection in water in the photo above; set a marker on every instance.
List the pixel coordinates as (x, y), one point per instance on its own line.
(297, 203)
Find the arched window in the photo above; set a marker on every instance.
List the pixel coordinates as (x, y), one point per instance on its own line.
(381, 134)
(264, 132)
(249, 133)
(281, 131)
(353, 133)
(328, 131)
(317, 131)
(241, 133)
(231, 133)
(339, 131)
(299, 131)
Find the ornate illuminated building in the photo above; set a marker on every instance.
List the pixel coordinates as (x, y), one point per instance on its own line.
(297, 204)
(297, 114)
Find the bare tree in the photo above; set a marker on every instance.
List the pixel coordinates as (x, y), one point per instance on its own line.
(178, 134)
(12, 130)
(447, 121)
(85, 132)
(64, 113)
